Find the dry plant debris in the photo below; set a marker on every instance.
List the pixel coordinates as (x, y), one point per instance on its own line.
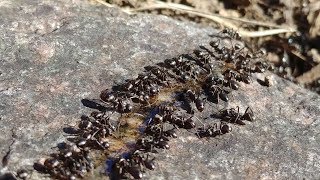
(287, 29)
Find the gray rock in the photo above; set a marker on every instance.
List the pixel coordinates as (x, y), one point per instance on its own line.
(281, 144)
(55, 53)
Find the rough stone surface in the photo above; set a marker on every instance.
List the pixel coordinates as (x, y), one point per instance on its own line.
(55, 53)
(281, 144)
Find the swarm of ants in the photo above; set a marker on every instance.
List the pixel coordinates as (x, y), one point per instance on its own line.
(215, 71)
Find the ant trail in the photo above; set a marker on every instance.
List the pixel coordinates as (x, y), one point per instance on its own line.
(143, 97)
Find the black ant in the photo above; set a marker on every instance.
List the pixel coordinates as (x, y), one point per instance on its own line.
(215, 79)
(120, 167)
(233, 116)
(143, 160)
(196, 99)
(118, 103)
(107, 96)
(231, 83)
(231, 33)
(187, 101)
(212, 131)
(184, 123)
(170, 133)
(266, 82)
(218, 92)
(199, 104)
(248, 115)
(159, 73)
(202, 57)
(215, 44)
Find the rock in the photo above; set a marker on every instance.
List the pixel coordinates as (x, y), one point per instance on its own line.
(280, 144)
(56, 53)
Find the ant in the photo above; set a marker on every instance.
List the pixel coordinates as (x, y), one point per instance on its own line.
(187, 100)
(199, 104)
(159, 73)
(133, 165)
(230, 33)
(218, 92)
(233, 116)
(231, 55)
(122, 166)
(118, 103)
(148, 142)
(122, 107)
(215, 79)
(107, 96)
(188, 97)
(184, 123)
(243, 76)
(204, 57)
(248, 115)
(215, 44)
(196, 99)
(214, 130)
(142, 99)
(170, 133)
(166, 109)
(231, 83)
(139, 158)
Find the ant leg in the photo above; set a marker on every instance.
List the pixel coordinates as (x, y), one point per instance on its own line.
(246, 111)
(238, 114)
(238, 119)
(107, 119)
(216, 94)
(215, 126)
(92, 136)
(197, 133)
(248, 114)
(216, 131)
(200, 121)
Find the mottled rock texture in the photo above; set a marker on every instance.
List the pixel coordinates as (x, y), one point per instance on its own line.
(55, 53)
(281, 144)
